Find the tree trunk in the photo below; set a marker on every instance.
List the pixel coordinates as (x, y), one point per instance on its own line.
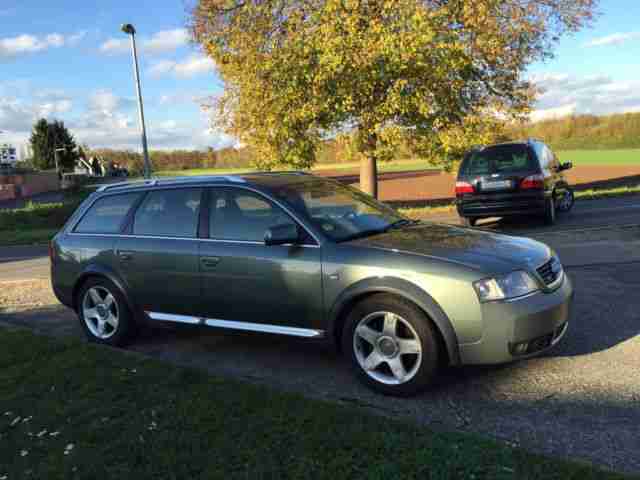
(369, 175)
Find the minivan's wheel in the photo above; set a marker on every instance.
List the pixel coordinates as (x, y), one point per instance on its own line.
(567, 201)
(550, 212)
(391, 345)
(103, 313)
(469, 222)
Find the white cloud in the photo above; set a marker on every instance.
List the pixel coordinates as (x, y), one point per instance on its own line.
(193, 65)
(106, 101)
(160, 42)
(24, 44)
(162, 67)
(613, 39)
(115, 45)
(563, 94)
(166, 40)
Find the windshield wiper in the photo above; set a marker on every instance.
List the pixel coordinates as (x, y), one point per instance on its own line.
(404, 222)
(363, 234)
(376, 231)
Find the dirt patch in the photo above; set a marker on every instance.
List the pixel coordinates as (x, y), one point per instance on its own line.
(410, 187)
(18, 295)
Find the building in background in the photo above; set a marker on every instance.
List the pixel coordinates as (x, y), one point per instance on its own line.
(8, 154)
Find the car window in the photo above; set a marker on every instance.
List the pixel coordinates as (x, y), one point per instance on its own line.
(171, 213)
(238, 214)
(107, 214)
(499, 159)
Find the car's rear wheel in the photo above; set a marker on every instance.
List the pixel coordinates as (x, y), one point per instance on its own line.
(104, 313)
(567, 201)
(550, 212)
(392, 345)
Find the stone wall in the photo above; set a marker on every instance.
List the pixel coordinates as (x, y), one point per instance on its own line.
(27, 184)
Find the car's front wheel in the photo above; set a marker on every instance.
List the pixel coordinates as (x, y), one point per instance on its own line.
(104, 313)
(391, 345)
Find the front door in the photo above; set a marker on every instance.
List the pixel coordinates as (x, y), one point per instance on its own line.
(158, 258)
(249, 285)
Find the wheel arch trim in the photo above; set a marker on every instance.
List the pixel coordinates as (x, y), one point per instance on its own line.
(401, 288)
(97, 270)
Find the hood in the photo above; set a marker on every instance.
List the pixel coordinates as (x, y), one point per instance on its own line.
(485, 251)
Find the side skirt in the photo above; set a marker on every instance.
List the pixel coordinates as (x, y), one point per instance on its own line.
(246, 326)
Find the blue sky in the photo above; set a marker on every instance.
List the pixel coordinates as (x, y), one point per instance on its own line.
(68, 59)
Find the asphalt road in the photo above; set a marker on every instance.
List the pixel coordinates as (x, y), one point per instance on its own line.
(580, 400)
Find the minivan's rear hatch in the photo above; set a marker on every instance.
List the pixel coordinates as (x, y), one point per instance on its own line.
(498, 170)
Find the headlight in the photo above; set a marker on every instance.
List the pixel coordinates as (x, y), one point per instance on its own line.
(515, 284)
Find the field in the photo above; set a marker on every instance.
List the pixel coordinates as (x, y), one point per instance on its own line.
(399, 166)
(577, 157)
(601, 157)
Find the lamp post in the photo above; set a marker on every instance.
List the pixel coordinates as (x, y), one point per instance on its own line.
(131, 31)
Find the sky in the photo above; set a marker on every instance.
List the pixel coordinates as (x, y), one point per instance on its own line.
(69, 60)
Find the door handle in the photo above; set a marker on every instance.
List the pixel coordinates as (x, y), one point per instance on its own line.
(125, 255)
(210, 262)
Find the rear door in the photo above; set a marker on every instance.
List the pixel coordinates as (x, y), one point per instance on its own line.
(158, 255)
(557, 182)
(249, 285)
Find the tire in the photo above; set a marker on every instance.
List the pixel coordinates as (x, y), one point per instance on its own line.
(111, 322)
(414, 370)
(550, 212)
(566, 204)
(469, 222)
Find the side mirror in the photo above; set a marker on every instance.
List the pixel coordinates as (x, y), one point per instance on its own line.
(282, 234)
(566, 166)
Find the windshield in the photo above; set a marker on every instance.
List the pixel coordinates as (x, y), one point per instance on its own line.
(499, 159)
(341, 212)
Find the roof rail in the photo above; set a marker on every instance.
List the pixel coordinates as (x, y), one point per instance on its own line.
(126, 184)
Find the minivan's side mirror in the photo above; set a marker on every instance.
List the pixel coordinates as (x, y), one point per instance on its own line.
(282, 234)
(566, 166)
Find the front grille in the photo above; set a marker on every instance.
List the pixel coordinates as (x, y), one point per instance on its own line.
(550, 271)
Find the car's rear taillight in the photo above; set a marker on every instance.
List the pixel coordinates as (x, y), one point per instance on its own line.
(464, 187)
(532, 182)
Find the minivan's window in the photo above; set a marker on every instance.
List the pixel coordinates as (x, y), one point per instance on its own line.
(238, 214)
(169, 213)
(341, 212)
(499, 159)
(107, 214)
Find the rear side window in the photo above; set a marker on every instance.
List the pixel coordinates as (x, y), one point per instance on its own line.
(107, 214)
(169, 213)
(499, 159)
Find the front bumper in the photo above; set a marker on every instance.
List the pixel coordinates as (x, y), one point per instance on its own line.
(539, 321)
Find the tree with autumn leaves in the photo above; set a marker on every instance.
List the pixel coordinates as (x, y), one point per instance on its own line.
(436, 75)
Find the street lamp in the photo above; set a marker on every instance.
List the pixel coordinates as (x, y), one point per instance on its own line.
(130, 30)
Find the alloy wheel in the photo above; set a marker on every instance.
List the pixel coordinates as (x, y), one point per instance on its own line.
(387, 348)
(100, 312)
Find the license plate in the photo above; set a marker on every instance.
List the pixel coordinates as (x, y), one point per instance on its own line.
(497, 185)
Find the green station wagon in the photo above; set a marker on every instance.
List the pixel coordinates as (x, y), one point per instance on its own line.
(294, 254)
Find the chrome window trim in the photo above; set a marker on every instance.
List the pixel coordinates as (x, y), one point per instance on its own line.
(236, 325)
(157, 237)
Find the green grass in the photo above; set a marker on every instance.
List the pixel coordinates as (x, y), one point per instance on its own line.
(400, 166)
(118, 415)
(601, 157)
